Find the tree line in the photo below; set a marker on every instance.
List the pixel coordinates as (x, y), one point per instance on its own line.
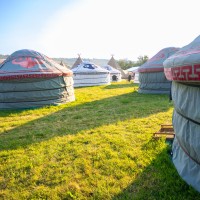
(125, 64)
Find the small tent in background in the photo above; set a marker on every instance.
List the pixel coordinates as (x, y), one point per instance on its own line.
(88, 74)
(63, 64)
(115, 75)
(29, 79)
(183, 68)
(113, 63)
(133, 71)
(77, 62)
(151, 74)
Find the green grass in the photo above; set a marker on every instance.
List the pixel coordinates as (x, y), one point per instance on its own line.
(98, 147)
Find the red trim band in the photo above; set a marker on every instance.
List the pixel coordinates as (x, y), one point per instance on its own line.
(142, 70)
(30, 76)
(190, 73)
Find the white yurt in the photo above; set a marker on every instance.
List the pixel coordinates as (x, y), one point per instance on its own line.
(152, 79)
(183, 69)
(89, 74)
(29, 79)
(115, 75)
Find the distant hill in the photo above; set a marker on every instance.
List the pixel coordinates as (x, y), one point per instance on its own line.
(70, 61)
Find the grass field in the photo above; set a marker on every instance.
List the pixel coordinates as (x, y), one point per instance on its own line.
(98, 147)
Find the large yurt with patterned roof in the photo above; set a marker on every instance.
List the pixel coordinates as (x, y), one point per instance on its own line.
(89, 74)
(115, 75)
(183, 69)
(152, 79)
(29, 79)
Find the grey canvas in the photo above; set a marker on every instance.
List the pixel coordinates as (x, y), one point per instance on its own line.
(182, 68)
(187, 55)
(186, 146)
(152, 79)
(29, 79)
(153, 83)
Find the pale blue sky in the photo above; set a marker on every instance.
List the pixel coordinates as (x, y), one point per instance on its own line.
(97, 28)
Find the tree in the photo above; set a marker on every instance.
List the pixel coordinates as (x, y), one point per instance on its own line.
(125, 64)
(142, 60)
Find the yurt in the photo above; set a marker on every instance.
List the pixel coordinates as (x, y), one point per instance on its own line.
(115, 75)
(151, 74)
(89, 74)
(113, 63)
(77, 62)
(183, 69)
(29, 79)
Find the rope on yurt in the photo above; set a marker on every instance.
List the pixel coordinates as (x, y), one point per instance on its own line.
(191, 85)
(184, 149)
(189, 119)
(186, 152)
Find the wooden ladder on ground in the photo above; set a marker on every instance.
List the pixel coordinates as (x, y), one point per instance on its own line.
(166, 131)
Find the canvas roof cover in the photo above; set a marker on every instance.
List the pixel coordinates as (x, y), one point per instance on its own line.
(89, 68)
(184, 65)
(31, 79)
(155, 64)
(30, 64)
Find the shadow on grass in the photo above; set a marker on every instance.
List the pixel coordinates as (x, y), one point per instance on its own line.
(74, 119)
(159, 181)
(118, 85)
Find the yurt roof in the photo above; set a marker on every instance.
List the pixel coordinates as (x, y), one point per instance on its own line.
(184, 65)
(28, 64)
(88, 68)
(155, 64)
(111, 69)
(77, 62)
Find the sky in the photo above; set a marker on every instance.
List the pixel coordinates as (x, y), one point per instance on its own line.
(126, 29)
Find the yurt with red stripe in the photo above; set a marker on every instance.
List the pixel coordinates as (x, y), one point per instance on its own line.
(152, 79)
(29, 79)
(183, 69)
